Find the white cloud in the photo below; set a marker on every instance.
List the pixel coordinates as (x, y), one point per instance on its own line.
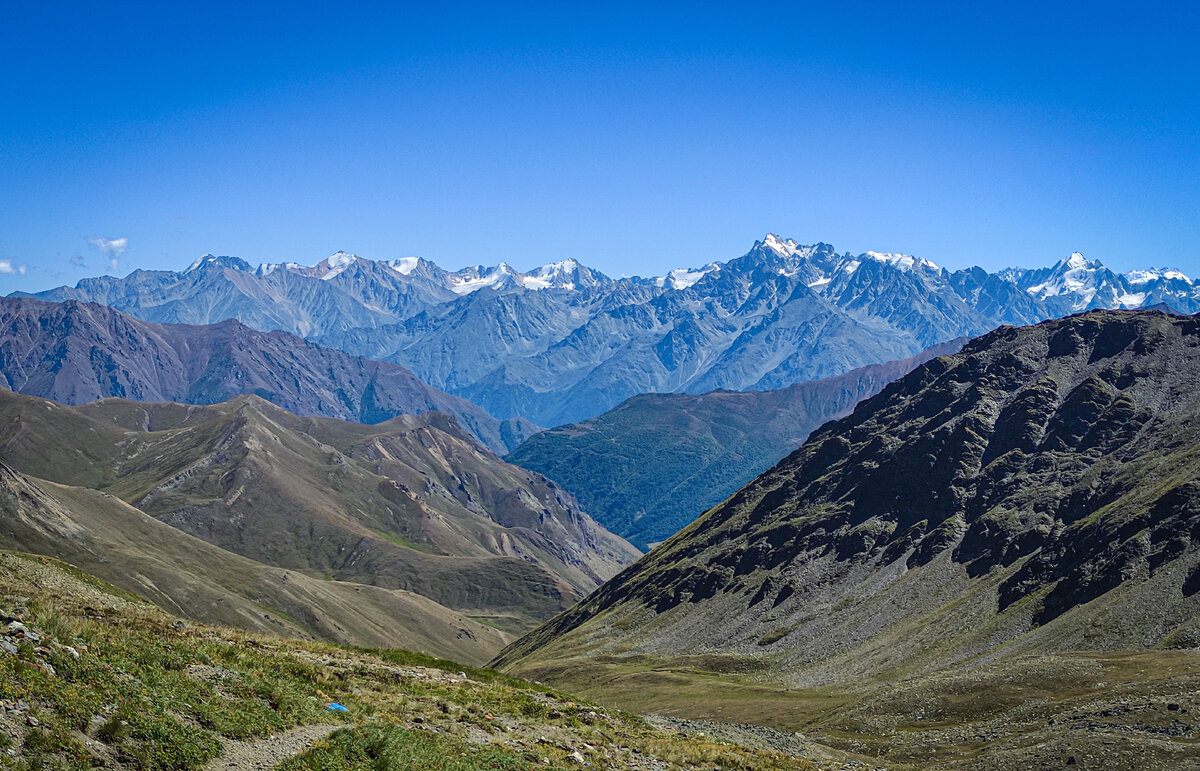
(112, 262)
(6, 266)
(77, 261)
(113, 247)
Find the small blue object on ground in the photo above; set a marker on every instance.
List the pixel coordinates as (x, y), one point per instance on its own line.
(337, 707)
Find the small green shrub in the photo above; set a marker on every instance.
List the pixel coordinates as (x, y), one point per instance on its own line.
(114, 730)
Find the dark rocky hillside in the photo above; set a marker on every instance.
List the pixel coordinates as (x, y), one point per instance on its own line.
(1038, 492)
(76, 352)
(651, 465)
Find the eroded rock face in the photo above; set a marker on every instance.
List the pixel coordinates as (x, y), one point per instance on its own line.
(988, 494)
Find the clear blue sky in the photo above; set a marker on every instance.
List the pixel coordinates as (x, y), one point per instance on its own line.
(633, 138)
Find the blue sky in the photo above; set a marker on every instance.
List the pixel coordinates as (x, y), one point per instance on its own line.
(634, 138)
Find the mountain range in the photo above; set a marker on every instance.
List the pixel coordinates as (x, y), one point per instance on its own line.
(75, 352)
(652, 464)
(564, 342)
(411, 504)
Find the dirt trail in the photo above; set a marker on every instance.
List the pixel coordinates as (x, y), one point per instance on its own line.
(270, 751)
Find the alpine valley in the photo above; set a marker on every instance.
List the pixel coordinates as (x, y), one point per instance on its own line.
(651, 464)
(900, 516)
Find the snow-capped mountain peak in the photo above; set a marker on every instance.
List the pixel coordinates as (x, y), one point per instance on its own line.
(904, 262)
(200, 262)
(1078, 278)
(404, 265)
(1155, 274)
(1078, 262)
(334, 264)
(1073, 274)
(212, 260)
(784, 247)
(558, 268)
(560, 275)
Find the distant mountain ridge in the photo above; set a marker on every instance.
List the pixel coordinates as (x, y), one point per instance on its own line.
(76, 352)
(565, 342)
(653, 463)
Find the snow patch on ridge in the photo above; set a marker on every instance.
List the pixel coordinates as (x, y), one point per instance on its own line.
(267, 268)
(404, 265)
(1131, 299)
(1154, 274)
(682, 278)
(476, 278)
(904, 262)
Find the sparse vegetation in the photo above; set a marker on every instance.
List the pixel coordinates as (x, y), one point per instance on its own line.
(113, 680)
(399, 748)
(776, 636)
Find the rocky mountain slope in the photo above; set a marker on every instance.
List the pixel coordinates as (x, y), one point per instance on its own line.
(1035, 493)
(651, 465)
(111, 539)
(410, 504)
(564, 343)
(76, 352)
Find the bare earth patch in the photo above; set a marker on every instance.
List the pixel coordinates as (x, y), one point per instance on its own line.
(269, 751)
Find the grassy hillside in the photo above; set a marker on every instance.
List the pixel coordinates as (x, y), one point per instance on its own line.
(1113, 710)
(91, 676)
(200, 581)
